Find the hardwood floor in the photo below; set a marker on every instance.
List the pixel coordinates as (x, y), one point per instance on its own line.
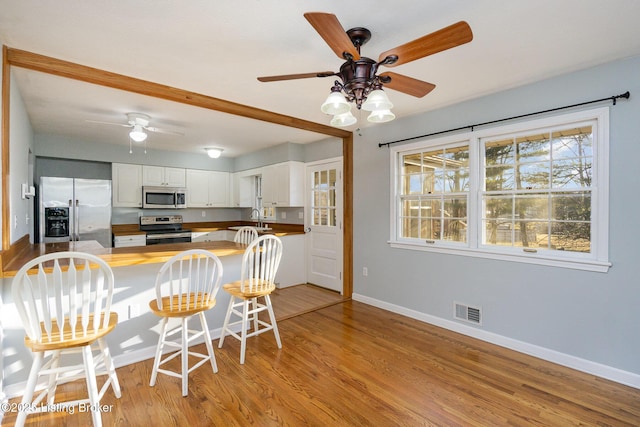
(350, 364)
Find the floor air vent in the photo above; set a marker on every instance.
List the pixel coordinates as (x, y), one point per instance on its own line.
(467, 313)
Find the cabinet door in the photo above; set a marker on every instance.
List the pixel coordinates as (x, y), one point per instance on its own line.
(269, 186)
(218, 189)
(127, 185)
(163, 176)
(175, 177)
(197, 188)
(153, 175)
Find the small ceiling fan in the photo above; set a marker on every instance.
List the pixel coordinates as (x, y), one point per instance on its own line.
(359, 75)
(139, 123)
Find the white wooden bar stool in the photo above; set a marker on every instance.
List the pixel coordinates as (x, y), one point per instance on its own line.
(246, 235)
(64, 305)
(257, 280)
(186, 286)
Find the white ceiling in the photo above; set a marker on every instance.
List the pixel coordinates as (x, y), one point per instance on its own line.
(218, 48)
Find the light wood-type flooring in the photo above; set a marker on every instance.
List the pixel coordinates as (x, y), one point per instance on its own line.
(350, 364)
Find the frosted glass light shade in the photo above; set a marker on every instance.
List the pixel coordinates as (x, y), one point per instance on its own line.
(381, 116)
(214, 153)
(344, 119)
(138, 134)
(335, 104)
(377, 100)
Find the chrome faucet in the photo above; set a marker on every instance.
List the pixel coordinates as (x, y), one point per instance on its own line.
(257, 211)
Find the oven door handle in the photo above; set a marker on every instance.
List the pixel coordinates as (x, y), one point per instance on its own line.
(165, 236)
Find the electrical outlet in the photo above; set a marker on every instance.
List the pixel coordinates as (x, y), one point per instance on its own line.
(365, 271)
(204, 214)
(283, 215)
(300, 215)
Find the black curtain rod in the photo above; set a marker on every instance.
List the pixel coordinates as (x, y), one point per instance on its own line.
(611, 98)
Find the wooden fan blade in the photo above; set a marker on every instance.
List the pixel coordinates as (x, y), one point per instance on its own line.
(296, 76)
(408, 85)
(330, 29)
(446, 38)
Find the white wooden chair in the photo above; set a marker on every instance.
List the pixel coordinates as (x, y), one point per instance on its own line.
(64, 305)
(259, 267)
(186, 286)
(246, 235)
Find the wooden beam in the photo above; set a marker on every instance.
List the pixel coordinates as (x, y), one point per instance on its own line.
(6, 89)
(58, 67)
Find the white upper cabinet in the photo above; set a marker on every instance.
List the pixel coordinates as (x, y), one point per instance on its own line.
(283, 184)
(207, 189)
(163, 176)
(244, 188)
(127, 185)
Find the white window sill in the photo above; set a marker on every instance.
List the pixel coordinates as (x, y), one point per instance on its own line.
(528, 258)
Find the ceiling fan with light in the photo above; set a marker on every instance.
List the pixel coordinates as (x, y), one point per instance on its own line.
(139, 124)
(359, 81)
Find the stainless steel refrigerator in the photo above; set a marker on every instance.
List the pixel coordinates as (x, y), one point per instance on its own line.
(75, 209)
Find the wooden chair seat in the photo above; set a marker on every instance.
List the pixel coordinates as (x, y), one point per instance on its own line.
(182, 306)
(260, 289)
(57, 341)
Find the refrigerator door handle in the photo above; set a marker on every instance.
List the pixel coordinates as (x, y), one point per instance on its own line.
(76, 225)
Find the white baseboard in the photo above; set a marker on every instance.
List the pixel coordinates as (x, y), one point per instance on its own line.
(614, 374)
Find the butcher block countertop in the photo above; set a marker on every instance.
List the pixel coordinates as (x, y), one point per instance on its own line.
(276, 228)
(119, 257)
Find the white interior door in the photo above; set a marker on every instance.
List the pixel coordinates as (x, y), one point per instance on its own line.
(324, 224)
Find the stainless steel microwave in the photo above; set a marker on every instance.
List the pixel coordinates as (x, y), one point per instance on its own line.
(164, 197)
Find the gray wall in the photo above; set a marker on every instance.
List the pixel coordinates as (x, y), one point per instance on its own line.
(585, 315)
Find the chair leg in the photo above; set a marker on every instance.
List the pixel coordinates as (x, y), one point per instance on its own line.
(272, 316)
(207, 341)
(243, 331)
(53, 377)
(185, 357)
(254, 317)
(111, 369)
(31, 386)
(156, 361)
(92, 385)
(225, 325)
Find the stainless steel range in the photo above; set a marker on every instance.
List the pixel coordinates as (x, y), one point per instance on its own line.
(164, 229)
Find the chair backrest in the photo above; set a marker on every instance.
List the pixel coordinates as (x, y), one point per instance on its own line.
(246, 235)
(260, 263)
(188, 279)
(69, 291)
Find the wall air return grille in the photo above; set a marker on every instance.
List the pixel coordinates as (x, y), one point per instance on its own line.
(467, 313)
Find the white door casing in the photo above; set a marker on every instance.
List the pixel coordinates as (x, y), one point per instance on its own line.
(323, 223)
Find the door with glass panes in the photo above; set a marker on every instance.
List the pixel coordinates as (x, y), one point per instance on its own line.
(324, 224)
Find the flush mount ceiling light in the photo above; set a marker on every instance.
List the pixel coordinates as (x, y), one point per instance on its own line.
(214, 153)
(137, 133)
(359, 81)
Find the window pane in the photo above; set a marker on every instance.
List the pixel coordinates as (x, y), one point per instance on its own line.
(573, 173)
(411, 208)
(499, 152)
(571, 206)
(412, 184)
(532, 207)
(532, 148)
(411, 163)
(499, 178)
(533, 175)
(571, 236)
(430, 229)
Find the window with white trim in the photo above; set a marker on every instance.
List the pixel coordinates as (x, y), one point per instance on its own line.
(535, 192)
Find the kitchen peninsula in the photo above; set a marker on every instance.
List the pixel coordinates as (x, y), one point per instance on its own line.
(135, 268)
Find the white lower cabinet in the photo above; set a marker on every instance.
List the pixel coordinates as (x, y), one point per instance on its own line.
(130, 240)
(210, 236)
(292, 270)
